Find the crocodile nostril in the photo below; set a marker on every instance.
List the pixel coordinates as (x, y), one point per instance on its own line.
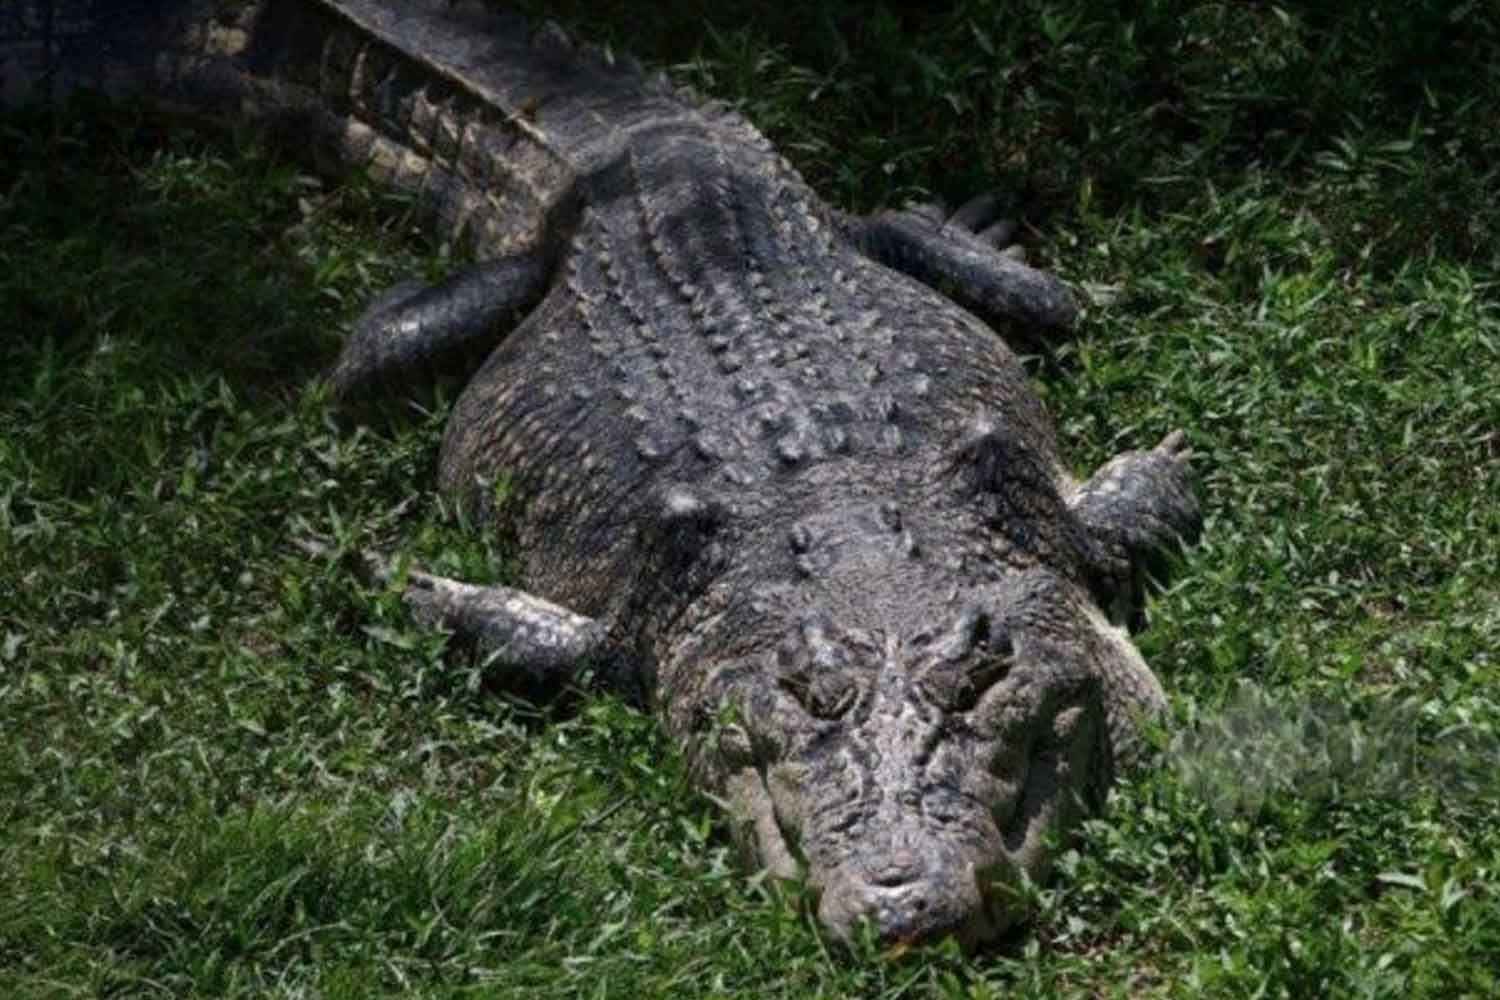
(897, 868)
(928, 902)
(908, 917)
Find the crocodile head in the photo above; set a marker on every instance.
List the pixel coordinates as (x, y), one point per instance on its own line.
(915, 775)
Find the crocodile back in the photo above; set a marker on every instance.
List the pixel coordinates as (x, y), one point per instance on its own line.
(712, 333)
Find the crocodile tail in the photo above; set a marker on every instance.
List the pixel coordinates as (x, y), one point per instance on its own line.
(486, 122)
(49, 48)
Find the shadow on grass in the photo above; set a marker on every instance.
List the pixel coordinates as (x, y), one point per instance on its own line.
(157, 284)
(1067, 105)
(144, 253)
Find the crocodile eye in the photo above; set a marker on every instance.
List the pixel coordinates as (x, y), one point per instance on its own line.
(978, 657)
(823, 694)
(815, 669)
(980, 676)
(831, 695)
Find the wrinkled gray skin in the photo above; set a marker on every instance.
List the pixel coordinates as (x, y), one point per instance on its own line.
(805, 503)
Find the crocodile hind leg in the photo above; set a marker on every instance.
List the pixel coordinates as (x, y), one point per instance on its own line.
(1139, 506)
(965, 256)
(543, 645)
(414, 335)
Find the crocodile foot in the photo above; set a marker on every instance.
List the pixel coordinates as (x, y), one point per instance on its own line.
(969, 256)
(416, 334)
(1140, 507)
(544, 646)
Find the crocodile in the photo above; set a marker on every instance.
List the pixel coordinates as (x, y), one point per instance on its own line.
(772, 468)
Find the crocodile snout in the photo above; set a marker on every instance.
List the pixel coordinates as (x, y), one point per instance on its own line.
(906, 900)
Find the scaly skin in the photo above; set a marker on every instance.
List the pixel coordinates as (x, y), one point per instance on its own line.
(803, 501)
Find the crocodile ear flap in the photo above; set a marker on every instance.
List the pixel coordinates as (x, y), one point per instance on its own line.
(679, 541)
(979, 459)
(1017, 492)
(684, 526)
(988, 460)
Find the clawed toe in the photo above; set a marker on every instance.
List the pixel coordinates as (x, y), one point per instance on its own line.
(981, 217)
(977, 213)
(1175, 444)
(1000, 234)
(933, 211)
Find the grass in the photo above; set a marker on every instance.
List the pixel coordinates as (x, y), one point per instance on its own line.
(230, 770)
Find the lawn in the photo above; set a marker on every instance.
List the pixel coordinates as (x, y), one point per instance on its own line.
(230, 769)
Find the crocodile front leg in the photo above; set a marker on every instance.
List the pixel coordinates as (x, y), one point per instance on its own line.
(1139, 506)
(415, 334)
(963, 257)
